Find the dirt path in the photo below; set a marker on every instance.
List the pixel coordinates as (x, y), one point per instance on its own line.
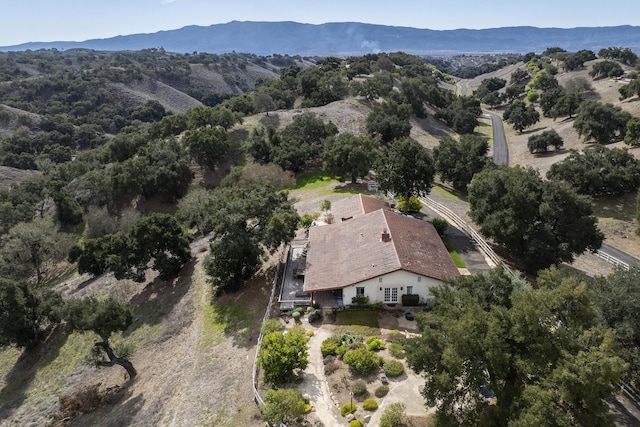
(315, 383)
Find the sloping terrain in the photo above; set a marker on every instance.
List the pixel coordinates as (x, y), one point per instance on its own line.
(171, 99)
(194, 353)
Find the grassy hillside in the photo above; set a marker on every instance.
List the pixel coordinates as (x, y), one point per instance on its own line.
(194, 352)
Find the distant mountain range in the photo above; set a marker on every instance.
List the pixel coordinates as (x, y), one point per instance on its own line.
(352, 38)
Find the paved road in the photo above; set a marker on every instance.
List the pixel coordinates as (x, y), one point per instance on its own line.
(500, 148)
(617, 253)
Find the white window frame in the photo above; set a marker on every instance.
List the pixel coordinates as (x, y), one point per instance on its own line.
(409, 290)
(390, 295)
(359, 291)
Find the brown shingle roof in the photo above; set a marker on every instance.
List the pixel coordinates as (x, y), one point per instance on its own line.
(356, 206)
(352, 251)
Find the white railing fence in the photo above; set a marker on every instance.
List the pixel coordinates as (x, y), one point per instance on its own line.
(459, 223)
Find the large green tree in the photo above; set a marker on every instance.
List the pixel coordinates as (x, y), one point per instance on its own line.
(248, 222)
(632, 136)
(599, 171)
(539, 222)
(461, 114)
(521, 115)
(567, 105)
(540, 351)
(103, 317)
(157, 239)
(300, 142)
(457, 161)
(207, 145)
(24, 313)
(618, 299)
(29, 247)
(542, 141)
(603, 123)
(281, 354)
(389, 121)
(606, 69)
(350, 155)
(406, 169)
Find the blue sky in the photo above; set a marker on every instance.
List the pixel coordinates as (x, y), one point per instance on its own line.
(77, 20)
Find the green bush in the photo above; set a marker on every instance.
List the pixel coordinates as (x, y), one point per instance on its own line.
(348, 408)
(370, 404)
(414, 204)
(296, 315)
(362, 360)
(375, 344)
(314, 315)
(271, 325)
(360, 300)
(410, 300)
(393, 368)
(340, 351)
(392, 416)
(396, 350)
(355, 423)
(306, 220)
(358, 387)
(440, 225)
(329, 347)
(381, 391)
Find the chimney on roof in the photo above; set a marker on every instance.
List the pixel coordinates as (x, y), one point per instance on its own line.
(386, 237)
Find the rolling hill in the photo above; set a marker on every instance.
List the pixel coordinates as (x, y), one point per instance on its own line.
(354, 38)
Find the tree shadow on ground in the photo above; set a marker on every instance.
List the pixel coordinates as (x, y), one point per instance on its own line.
(620, 207)
(19, 378)
(128, 406)
(532, 130)
(272, 119)
(622, 415)
(550, 153)
(242, 312)
(159, 299)
(351, 188)
(433, 127)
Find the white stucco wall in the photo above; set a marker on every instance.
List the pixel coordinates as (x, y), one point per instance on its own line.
(375, 288)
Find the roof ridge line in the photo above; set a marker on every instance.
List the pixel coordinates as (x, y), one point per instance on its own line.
(393, 242)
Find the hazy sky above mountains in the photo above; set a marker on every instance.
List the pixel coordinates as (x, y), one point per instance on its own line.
(78, 20)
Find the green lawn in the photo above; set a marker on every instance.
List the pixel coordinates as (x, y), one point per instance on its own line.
(358, 322)
(312, 181)
(449, 195)
(455, 256)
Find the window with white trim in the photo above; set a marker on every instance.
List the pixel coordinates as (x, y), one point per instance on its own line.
(360, 291)
(409, 290)
(390, 295)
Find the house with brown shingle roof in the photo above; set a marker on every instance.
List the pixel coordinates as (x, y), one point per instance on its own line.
(371, 251)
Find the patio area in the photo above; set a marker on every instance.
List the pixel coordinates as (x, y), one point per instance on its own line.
(291, 293)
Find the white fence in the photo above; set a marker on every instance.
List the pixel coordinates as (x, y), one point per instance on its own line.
(612, 260)
(267, 313)
(454, 219)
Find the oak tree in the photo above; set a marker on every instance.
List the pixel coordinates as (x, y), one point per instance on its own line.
(539, 222)
(540, 352)
(406, 169)
(103, 317)
(457, 161)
